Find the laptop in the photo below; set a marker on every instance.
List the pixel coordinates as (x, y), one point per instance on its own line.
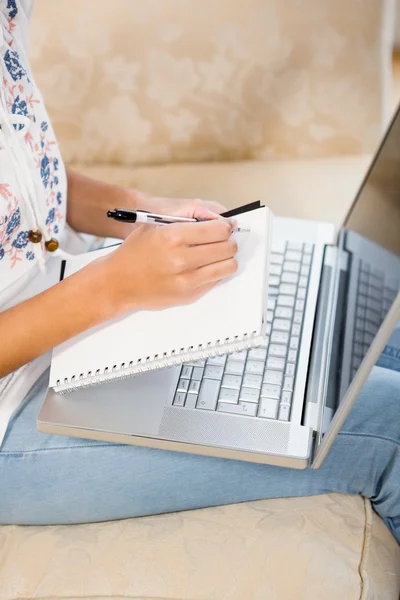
(334, 300)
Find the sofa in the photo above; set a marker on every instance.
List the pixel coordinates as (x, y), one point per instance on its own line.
(229, 100)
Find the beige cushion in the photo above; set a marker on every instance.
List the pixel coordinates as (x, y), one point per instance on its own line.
(309, 189)
(165, 80)
(325, 547)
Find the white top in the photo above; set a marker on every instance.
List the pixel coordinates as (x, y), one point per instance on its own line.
(33, 190)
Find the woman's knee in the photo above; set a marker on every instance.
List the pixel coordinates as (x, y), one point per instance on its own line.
(377, 409)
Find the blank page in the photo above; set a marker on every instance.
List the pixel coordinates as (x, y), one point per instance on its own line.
(235, 307)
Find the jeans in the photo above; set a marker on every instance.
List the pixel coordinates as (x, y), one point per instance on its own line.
(47, 479)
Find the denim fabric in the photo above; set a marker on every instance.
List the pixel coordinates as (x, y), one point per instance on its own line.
(52, 479)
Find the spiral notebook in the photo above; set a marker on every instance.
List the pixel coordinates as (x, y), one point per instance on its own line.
(229, 318)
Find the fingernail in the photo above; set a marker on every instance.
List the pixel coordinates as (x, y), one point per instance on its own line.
(233, 223)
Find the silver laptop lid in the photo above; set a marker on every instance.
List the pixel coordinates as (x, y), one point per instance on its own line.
(370, 238)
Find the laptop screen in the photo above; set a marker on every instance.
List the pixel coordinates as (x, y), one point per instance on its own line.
(370, 242)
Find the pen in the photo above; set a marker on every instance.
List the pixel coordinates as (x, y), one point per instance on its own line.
(142, 216)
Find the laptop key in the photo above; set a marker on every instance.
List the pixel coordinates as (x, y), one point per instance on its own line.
(289, 277)
(293, 255)
(183, 385)
(290, 368)
(242, 355)
(279, 337)
(213, 372)
(276, 259)
(229, 395)
(257, 354)
(298, 318)
(249, 394)
(274, 377)
(288, 289)
(191, 400)
(234, 367)
(179, 399)
(186, 371)
(283, 312)
(282, 324)
(194, 387)
(288, 384)
(243, 408)
(217, 360)
(286, 301)
(232, 381)
(270, 391)
(209, 390)
(268, 408)
(284, 412)
(255, 366)
(277, 350)
(197, 374)
(252, 381)
(294, 267)
(286, 398)
(275, 269)
(274, 362)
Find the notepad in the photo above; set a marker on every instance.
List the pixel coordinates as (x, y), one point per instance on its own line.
(229, 318)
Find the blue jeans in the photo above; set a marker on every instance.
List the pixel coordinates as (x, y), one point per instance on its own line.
(51, 479)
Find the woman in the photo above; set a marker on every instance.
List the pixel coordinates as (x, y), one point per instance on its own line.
(52, 479)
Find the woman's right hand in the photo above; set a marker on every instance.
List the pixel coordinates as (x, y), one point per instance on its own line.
(157, 267)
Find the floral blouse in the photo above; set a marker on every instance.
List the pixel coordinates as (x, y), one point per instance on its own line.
(38, 150)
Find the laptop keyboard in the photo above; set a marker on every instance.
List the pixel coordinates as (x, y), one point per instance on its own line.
(258, 382)
(375, 296)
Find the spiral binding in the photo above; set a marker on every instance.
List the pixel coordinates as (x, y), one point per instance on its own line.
(127, 369)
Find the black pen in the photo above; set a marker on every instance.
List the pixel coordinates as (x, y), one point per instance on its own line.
(142, 216)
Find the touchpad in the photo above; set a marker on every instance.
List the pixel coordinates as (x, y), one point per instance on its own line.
(132, 406)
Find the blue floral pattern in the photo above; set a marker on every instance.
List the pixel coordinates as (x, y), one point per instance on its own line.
(23, 98)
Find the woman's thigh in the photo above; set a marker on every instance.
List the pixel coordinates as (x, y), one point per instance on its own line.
(53, 479)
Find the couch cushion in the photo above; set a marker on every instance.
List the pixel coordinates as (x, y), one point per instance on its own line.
(227, 80)
(325, 547)
(310, 189)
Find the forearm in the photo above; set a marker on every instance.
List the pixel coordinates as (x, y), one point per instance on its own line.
(88, 203)
(34, 327)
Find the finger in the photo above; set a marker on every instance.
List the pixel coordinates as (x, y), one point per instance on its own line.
(205, 232)
(212, 206)
(215, 272)
(207, 254)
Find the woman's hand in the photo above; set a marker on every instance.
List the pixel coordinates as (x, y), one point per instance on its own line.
(193, 209)
(161, 266)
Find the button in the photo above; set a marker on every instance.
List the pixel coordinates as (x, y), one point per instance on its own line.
(191, 400)
(289, 277)
(34, 236)
(197, 374)
(186, 371)
(279, 337)
(283, 312)
(286, 301)
(232, 381)
(243, 408)
(293, 255)
(179, 399)
(251, 381)
(274, 377)
(213, 372)
(194, 387)
(277, 350)
(249, 394)
(284, 412)
(255, 366)
(275, 363)
(216, 360)
(234, 367)
(229, 395)
(208, 394)
(271, 391)
(288, 384)
(257, 354)
(268, 408)
(183, 385)
(51, 245)
(295, 246)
